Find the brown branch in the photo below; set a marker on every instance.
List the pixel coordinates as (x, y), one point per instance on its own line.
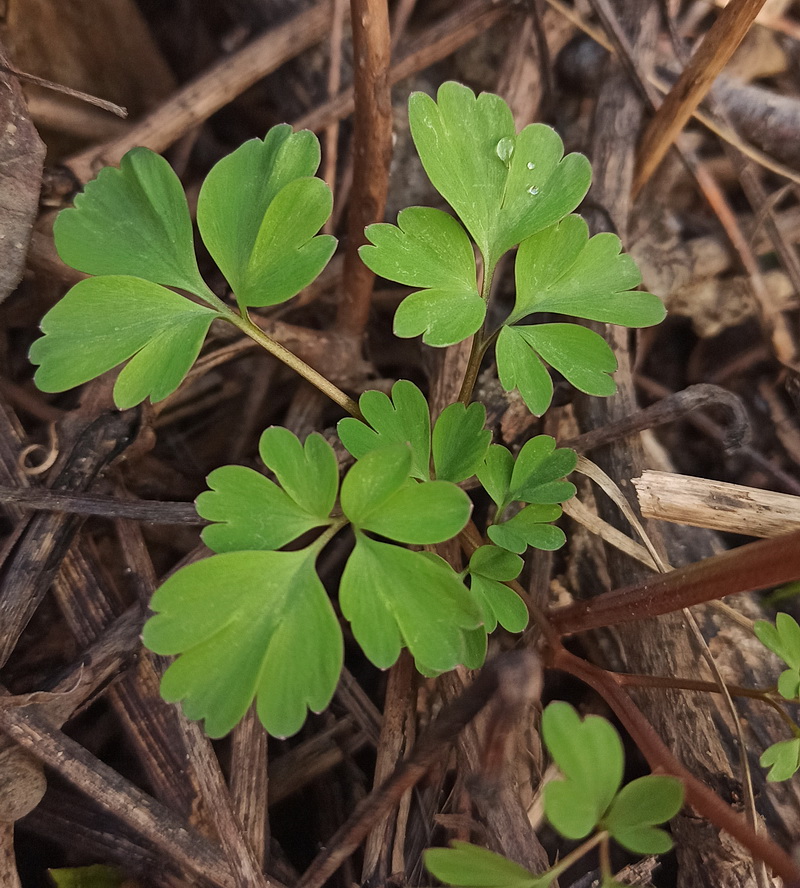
(704, 801)
(372, 154)
(696, 80)
(754, 566)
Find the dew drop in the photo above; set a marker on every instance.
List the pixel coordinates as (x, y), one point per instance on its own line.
(531, 165)
(533, 190)
(505, 149)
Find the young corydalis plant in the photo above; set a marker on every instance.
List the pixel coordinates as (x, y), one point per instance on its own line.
(259, 212)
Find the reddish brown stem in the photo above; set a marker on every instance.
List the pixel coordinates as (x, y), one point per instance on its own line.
(372, 152)
(754, 566)
(704, 801)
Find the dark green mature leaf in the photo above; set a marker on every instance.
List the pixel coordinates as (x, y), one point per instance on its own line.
(132, 221)
(636, 810)
(430, 250)
(490, 567)
(405, 419)
(104, 321)
(255, 513)
(469, 866)
(529, 527)
(378, 496)
(460, 442)
(504, 186)
(580, 355)
(247, 624)
(783, 760)
(561, 270)
(783, 639)
(247, 236)
(576, 804)
(394, 597)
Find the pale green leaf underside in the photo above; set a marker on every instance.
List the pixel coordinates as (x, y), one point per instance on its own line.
(104, 321)
(132, 221)
(239, 189)
(428, 249)
(468, 866)
(403, 419)
(394, 597)
(502, 196)
(251, 512)
(247, 624)
(636, 810)
(576, 804)
(561, 270)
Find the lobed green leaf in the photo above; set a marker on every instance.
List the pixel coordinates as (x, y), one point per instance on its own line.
(428, 249)
(782, 639)
(469, 866)
(104, 321)
(561, 270)
(576, 804)
(536, 469)
(247, 625)
(460, 442)
(490, 567)
(638, 807)
(403, 419)
(503, 186)
(132, 221)
(783, 760)
(529, 527)
(394, 597)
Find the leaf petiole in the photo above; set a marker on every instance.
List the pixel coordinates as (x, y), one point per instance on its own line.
(291, 360)
(327, 535)
(479, 343)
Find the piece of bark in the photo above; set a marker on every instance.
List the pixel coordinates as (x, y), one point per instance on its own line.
(21, 162)
(717, 505)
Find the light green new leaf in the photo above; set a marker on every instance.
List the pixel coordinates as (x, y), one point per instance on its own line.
(247, 624)
(132, 221)
(308, 472)
(104, 321)
(589, 754)
(428, 249)
(504, 186)
(636, 810)
(469, 866)
(490, 568)
(394, 597)
(258, 212)
(255, 513)
(580, 355)
(378, 496)
(783, 760)
(783, 639)
(529, 527)
(403, 419)
(561, 270)
(538, 467)
(460, 442)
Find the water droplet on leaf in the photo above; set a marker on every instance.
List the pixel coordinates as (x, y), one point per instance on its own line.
(533, 190)
(531, 165)
(505, 148)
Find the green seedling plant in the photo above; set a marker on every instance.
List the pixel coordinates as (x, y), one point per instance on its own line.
(588, 801)
(253, 623)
